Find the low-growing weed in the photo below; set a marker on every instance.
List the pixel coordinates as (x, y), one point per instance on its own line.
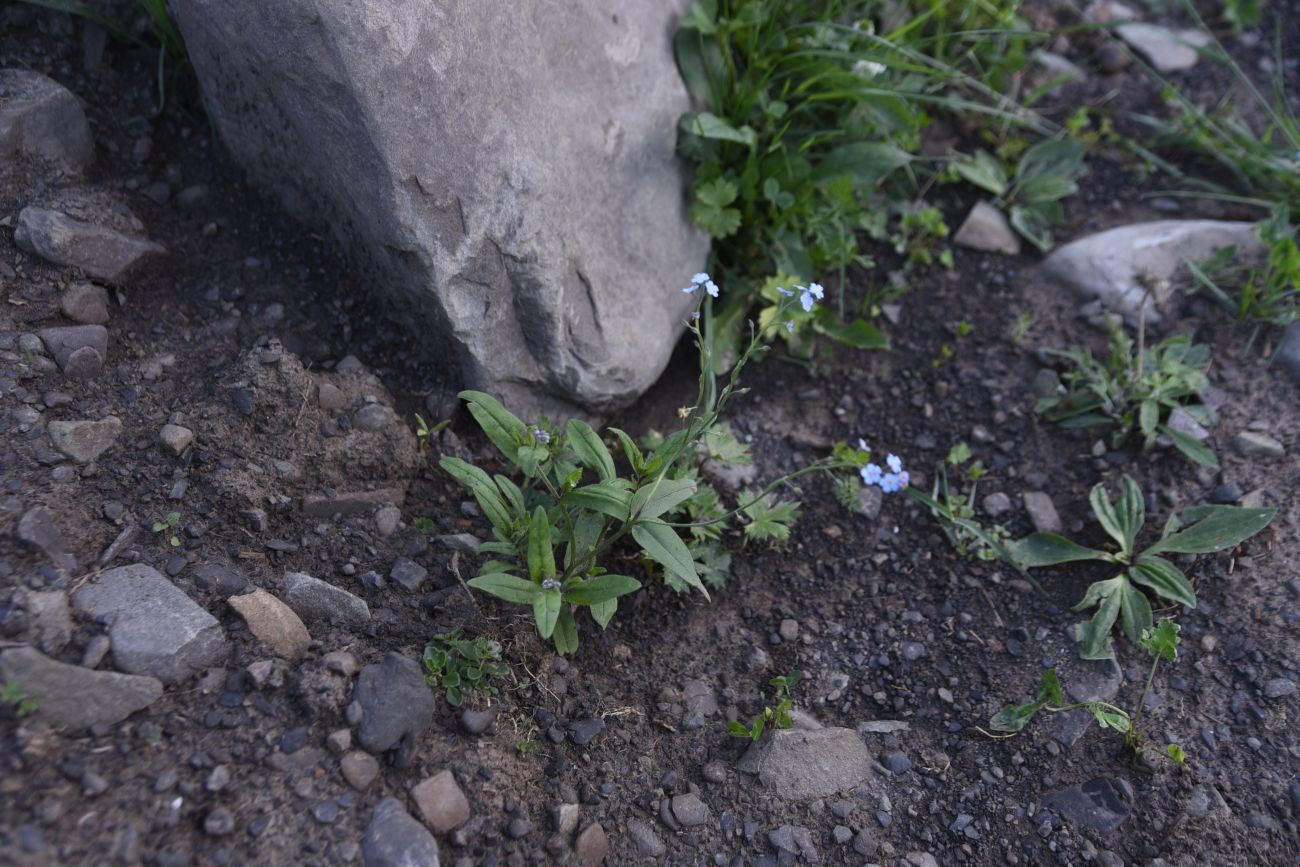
(166, 525)
(1133, 390)
(1269, 294)
(772, 717)
(1197, 530)
(462, 667)
(557, 534)
(1160, 640)
(955, 512)
(424, 432)
(14, 702)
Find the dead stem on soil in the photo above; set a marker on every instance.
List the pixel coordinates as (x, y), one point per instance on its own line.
(622, 711)
(997, 617)
(455, 570)
(992, 736)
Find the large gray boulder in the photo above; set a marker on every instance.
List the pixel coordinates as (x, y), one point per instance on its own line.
(508, 168)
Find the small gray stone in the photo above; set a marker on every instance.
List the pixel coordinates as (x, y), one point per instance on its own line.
(350, 503)
(84, 440)
(475, 722)
(36, 528)
(996, 504)
(870, 501)
(797, 840)
(1095, 805)
(316, 600)
(155, 629)
(1253, 444)
(986, 228)
(1279, 687)
(85, 303)
(66, 341)
(865, 845)
(76, 697)
(41, 118)
(408, 573)
(441, 802)
(386, 520)
(394, 839)
(330, 396)
(359, 769)
(395, 702)
(373, 417)
(273, 623)
(896, 762)
(689, 810)
(50, 619)
(1166, 50)
(224, 579)
(648, 843)
(799, 765)
(1042, 512)
(103, 253)
(565, 817)
(911, 650)
(1183, 422)
(465, 543)
(592, 845)
(1204, 800)
(175, 438)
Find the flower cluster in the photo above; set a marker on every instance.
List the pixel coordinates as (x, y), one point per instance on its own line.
(895, 480)
(808, 295)
(702, 280)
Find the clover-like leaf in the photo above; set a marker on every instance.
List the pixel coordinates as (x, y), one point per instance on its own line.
(1162, 639)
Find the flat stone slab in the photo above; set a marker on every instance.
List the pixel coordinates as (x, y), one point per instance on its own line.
(99, 251)
(798, 765)
(155, 629)
(314, 600)
(76, 697)
(84, 440)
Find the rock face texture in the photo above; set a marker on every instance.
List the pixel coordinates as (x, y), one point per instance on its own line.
(512, 175)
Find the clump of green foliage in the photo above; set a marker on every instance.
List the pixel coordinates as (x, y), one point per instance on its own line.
(462, 667)
(1160, 640)
(557, 533)
(14, 702)
(955, 512)
(167, 525)
(1197, 530)
(1032, 194)
(1133, 390)
(1264, 295)
(772, 717)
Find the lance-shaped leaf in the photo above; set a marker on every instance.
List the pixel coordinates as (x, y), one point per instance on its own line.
(1094, 640)
(512, 494)
(566, 632)
(1166, 579)
(1050, 549)
(589, 448)
(1134, 612)
(501, 426)
(630, 449)
(541, 556)
(600, 589)
(603, 497)
(546, 611)
(1191, 446)
(661, 496)
(666, 548)
(507, 587)
(603, 612)
(1213, 528)
(482, 488)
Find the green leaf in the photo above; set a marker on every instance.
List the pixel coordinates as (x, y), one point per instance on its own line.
(984, 171)
(1031, 221)
(1107, 718)
(1190, 446)
(600, 589)
(1214, 528)
(1162, 639)
(1148, 417)
(661, 496)
(868, 163)
(501, 426)
(1061, 159)
(603, 612)
(1014, 717)
(707, 125)
(1175, 752)
(530, 459)
(566, 632)
(590, 449)
(1094, 640)
(513, 495)
(546, 611)
(541, 556)
(1134, 612)
(769, 518)
(860, 334)
(711, 210)
(666, 548)
(507, 587)
(1166, 579)
(1050, 549)
(1049, 689)
(604, 498)
(505, 549)
(630, 450)
(485, 492)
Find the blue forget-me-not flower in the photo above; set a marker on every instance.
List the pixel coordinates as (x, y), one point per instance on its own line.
(809, 295)
(890, 482)
(702, 279)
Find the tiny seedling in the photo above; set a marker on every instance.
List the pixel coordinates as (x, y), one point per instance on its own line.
(14, 702)
(1198, 530)
(1160, 640)
(772, 717)
(168, 523)
(1134, 390)
(955, 512)
(423, 432)
(424, 525)
(462, 667)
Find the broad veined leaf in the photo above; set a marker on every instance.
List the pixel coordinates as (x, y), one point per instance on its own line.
(1214, 528)
(566, 632)
(1014, 717)
(603, 612)
(1050, 549)
(482, 488)
(1031, 221)
(868, 163)
(604, 498)
(708, 125)
(666, 548)
(1094, 639)
(859, 333)
(1049, 688)
(1166, 579)
(1107, 718)
(541, 556)
(600, 589)
(507, 587)
(1162, 640)
(1134, 612)
(587, 445)
(501, 426)
(984, 171)
(661, 496)
(546, 610)
(1191, 446)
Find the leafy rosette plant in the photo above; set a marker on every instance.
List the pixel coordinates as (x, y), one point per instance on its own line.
(1123, 598)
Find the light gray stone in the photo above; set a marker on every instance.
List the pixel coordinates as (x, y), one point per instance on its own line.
(66, 342)
(986, 228)
(513, 175)
(315, 600)
(41, 118)
(84, 440)
(85, 303)
(50, 619)
(1182, 421)
(1166, 50)
(1133, 267)
(394, 839)
(103, 253)
(273, 623)
(76, 697)
(996, 504)
(155, 629)
(647, 840)
(1042, 512)
(1095, 804)
(36, 527)
(1288, 353)
(175, 438)
(441, 802)
(797, 765)
(1253, 444)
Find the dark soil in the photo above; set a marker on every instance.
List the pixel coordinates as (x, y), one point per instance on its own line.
(858, 590)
